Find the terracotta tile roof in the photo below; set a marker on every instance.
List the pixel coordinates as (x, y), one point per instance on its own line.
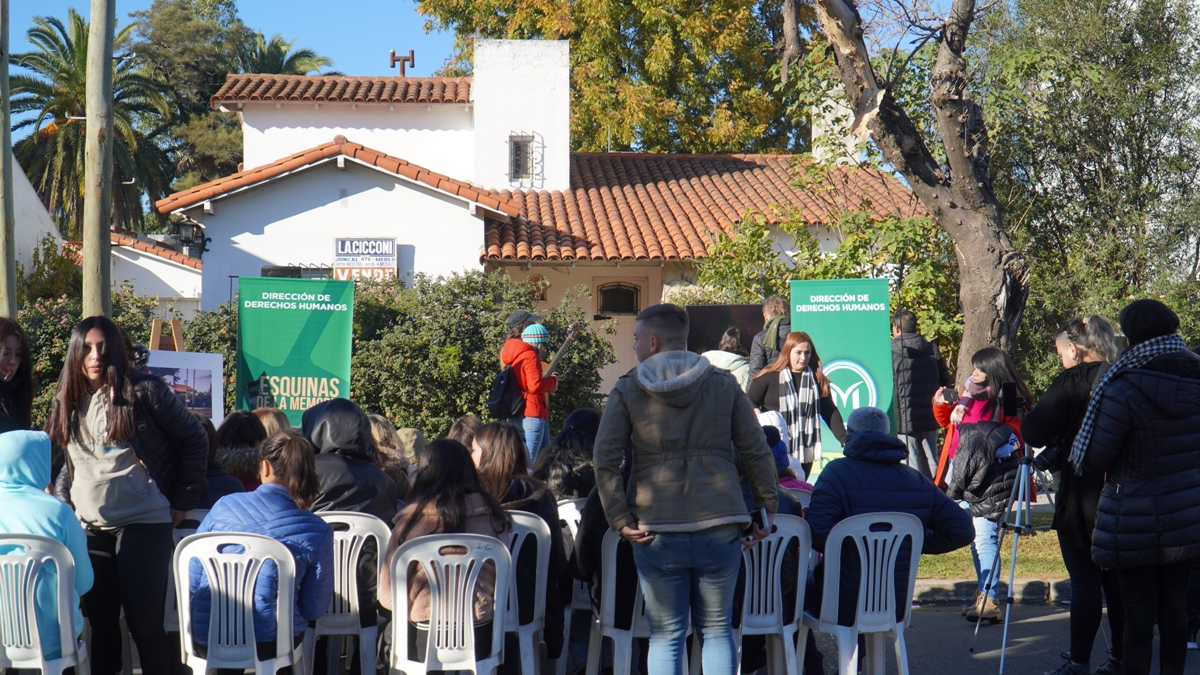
(74, 250)
(340, 146)
(633, 206)
(342, 89)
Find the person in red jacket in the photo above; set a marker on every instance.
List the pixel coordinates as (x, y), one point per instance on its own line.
(523, 357)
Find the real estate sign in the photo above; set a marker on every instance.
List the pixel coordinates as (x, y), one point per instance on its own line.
(365, 258)
(294, 338)
(850, 324)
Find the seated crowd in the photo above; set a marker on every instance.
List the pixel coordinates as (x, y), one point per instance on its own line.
(656, 467)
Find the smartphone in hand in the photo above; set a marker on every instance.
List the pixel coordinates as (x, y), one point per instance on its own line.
(951, 395)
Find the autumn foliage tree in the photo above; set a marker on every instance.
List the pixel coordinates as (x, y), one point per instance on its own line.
(652, 76)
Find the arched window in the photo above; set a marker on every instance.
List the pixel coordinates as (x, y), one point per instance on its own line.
(538, 284)
(618, 298)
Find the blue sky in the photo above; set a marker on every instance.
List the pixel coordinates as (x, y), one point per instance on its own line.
(356, 34)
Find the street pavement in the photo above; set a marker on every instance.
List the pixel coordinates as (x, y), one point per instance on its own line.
(939, 643)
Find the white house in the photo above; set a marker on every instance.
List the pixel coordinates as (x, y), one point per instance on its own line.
(33, 222)
(346, 175)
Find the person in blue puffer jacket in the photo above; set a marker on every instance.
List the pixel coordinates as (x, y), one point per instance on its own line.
(277, 509)
(25, 508)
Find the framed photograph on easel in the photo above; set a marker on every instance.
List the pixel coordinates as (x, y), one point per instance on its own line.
(196, 379)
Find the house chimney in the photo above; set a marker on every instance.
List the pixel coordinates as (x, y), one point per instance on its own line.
(831, 136)
(521, 91)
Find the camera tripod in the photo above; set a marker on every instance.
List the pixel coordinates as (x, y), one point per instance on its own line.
(1017, 519)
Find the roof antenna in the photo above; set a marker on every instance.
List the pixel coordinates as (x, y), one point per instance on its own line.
(402, 60)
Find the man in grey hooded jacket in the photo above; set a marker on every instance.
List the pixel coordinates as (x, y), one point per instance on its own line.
(685, 420)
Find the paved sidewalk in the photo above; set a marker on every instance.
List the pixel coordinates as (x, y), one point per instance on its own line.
(939, 643)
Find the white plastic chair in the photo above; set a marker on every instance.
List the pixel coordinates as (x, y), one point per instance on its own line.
(762, 604)
(20, 641)
(350, 532)
(878, 538)
(569, 513)
(527, 527)
(452, 563)
(231, 580)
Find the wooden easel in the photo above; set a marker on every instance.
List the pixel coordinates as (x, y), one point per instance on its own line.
(171, 343)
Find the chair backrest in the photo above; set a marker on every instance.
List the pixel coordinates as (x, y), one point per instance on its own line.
(451, 564)
(765, 586)
(609, 588)
(232, 562)
(22, 559)
(350, 533)
(879, 538)
(528, 528)
(570, 515)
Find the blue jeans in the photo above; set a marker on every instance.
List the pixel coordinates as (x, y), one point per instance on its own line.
(984, 550)
(690, 574)
(537, 435)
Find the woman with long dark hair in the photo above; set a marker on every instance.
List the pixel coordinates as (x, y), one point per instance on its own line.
(796, 386)
(979, 401)
(498, 454)
(731, 354)
(137, 461)
(16, 377)
(278, 508)
(447, 498)
(1086, 346)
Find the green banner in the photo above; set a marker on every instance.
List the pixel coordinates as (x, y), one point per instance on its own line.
(294, 338)
(850, 324)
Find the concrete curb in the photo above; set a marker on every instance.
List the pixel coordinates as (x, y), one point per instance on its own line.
(960, 591)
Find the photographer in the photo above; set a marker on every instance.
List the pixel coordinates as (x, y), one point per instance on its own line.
(1086, 347)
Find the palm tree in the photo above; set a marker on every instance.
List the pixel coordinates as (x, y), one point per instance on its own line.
(54, 93)
(276, 57)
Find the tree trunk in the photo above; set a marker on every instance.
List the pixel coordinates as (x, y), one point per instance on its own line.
(791, 37)
(97, 160)
(993, 276)
(8, 218)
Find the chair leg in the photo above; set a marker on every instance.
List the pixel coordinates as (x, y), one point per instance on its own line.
(874, 656)
(529, 653)
(560, 664)
(801, 648)
(901, 651)
(368, 638)
(310, 645)
(785, 652)
(595, 643)
(623, 655)
(847, 641)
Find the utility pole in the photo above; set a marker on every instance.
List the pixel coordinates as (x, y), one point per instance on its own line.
(97, 162)
(8, 247)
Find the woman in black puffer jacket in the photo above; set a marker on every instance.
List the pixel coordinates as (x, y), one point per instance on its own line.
(1086, 347)
(1142, 429)
(137, 460)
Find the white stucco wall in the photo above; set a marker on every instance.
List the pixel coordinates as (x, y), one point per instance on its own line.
(439, 138)
(295, 220)
(33, 222)
(175, 285)
(522, 87)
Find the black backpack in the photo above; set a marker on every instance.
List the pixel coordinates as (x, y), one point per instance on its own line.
(506, 400)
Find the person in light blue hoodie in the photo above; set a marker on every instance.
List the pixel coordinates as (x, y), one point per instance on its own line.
(25, 508)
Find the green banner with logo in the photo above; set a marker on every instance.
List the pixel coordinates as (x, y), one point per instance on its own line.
(294, 338)
(850, 325)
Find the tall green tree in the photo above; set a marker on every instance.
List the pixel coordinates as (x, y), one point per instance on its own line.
(1094, 105)
(276, 56)
(653, 75)
(53, 88)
